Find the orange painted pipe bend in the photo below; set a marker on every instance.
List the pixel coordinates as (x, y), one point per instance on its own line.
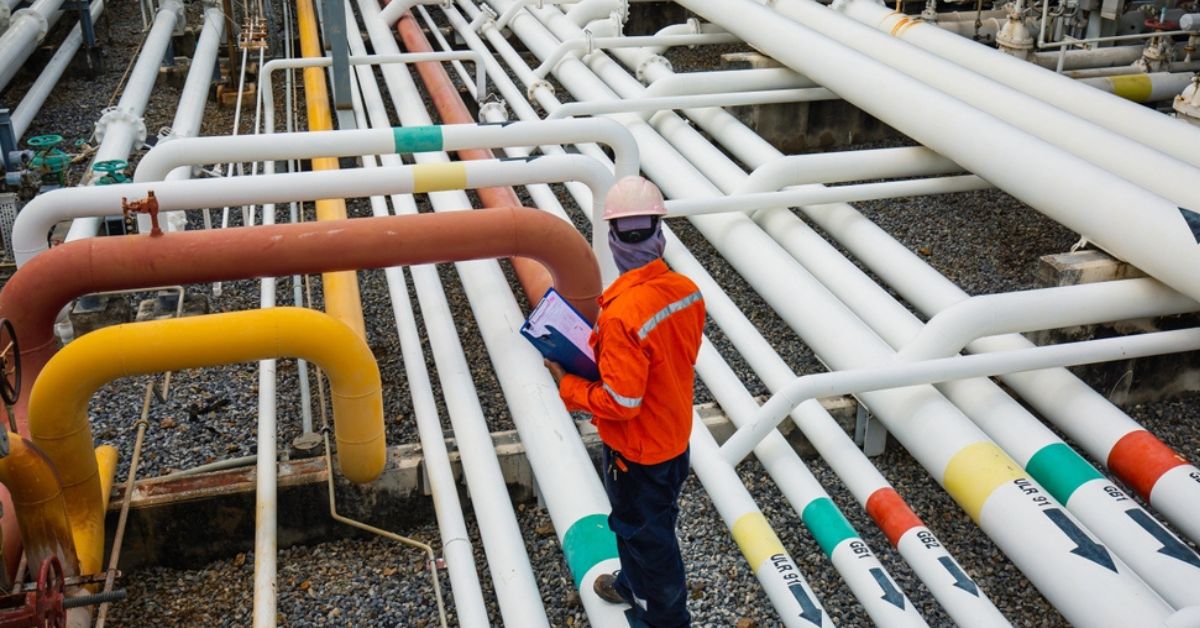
(534, 277)
(58, 419)
(35, 293)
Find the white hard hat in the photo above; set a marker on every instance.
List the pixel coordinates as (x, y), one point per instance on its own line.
(633, 196)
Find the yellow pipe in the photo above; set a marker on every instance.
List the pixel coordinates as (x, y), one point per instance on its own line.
(342, 299)
(58, 419)
(106, 463)
(38, 500)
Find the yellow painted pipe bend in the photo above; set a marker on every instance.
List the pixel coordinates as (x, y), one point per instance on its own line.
(58, 421)
(38, 500)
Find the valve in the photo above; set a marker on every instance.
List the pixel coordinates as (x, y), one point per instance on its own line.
(48, 160)
(10, 362)
(51, 586)
(113, 171)
(148, 205)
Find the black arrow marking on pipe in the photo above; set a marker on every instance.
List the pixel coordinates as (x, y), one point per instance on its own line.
(502, 123)
(1085, 547)
(1193, 222)
(891, 594)
(526, 159)
(960, 579)
(808, 608)
(1172, 546)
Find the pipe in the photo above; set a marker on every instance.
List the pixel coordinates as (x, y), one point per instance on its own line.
(752, 253)
(857, 381)
(1092, 73)
(397, 8)
(1113, 152)
(589, 44)
(787, 590)
(40, 508)
(121, 128)
(44, 211)
(730, 99)
(1116, 114)
(26, 28)
(717, 81)
(342, 299)
(818, 195)
(31, 103)
(851, 556)
(192, 101)
(58, 418)
(574, 496)
(955, 327)
(34, 295)
(460, 137)
(457, 548)
(1143, 88)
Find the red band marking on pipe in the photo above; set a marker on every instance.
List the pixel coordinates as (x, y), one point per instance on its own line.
(1139, 459)
(892, 514)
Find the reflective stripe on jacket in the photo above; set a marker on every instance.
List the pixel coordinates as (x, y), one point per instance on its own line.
(645, 341)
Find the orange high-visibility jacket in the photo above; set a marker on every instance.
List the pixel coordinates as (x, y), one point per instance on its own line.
(645, 341)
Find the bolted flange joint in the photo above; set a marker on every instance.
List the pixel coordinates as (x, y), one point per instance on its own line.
(645, 66)
(115, 115)
(496, 108)
(30, 14)
(536, 85)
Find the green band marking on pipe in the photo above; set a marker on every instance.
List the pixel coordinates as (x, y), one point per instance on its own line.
(417, 139)
(827, 524)
(1061, 470)
(587, 543)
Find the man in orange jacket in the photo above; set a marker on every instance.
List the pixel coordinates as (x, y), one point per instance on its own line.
(645, 342)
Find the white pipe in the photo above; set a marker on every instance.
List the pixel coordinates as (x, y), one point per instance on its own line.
(121, 128)
(512, 575)
(1033, 549)
(853, 559)
(587, 45)
(856, 381)
(1143, 88)
(507, 16)
(1132, 120)
(1115, 153)
(589, 10)
(192, 101)
(720, 81)
(820, 195)
(31, 103)
(952, 329)
(202, 150)
(849, 165)
(26, 28)
(787, 590)
(46, 210)
(576, 501)
(391, 13)
(731, 99)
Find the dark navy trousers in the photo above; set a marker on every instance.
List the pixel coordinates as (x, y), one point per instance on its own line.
(645, 507)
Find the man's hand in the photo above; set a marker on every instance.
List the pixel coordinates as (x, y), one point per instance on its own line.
(556, 371)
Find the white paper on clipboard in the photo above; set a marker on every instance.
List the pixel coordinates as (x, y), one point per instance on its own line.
(554, 311)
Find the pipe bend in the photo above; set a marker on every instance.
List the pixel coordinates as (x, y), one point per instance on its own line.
(58, 418)
(41, 510)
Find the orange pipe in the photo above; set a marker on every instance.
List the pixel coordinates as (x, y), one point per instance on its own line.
(534, 277)
(342, 299)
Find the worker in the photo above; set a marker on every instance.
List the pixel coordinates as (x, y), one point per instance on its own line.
(645, 342)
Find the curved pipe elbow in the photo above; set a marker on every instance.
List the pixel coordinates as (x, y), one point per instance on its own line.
(58, 418)
(41, 509)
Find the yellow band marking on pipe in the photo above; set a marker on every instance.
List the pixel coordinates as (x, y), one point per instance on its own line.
(755, 537)
(975, 472)
(1135, 87)
(438, 177)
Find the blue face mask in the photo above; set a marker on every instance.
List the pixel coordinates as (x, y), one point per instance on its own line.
(629, 256)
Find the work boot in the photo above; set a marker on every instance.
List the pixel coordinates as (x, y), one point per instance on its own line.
(605, 586)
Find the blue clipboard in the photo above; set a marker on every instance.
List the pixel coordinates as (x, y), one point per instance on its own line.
(556, 347)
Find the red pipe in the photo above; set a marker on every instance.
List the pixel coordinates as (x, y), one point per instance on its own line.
(35, 294)
(534, 278)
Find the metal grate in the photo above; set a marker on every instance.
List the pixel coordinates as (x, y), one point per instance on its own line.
(8, 215)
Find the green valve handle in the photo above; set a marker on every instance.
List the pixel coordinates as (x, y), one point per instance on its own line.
(44, 141)
(110, 167)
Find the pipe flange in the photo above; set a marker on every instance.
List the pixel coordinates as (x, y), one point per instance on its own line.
(43, 25)
(116, 115)
(645, 66)
(536, 85)
(496, 108)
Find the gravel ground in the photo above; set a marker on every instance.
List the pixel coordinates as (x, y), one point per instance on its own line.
(985, 241)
